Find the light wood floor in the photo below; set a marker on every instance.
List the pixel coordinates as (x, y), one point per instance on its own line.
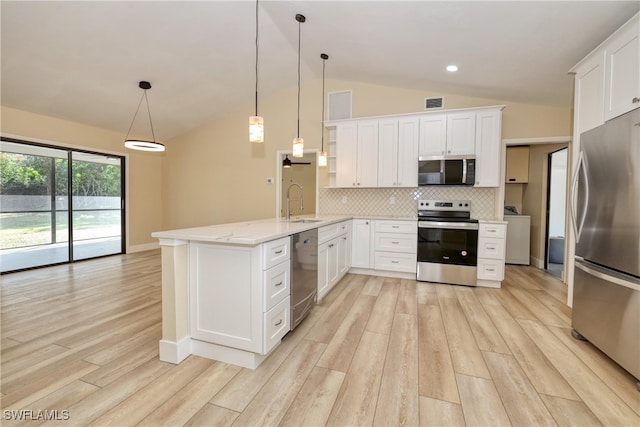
(84, 339)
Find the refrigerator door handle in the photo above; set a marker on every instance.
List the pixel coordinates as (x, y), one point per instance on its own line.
(596, 272)
(577, 227)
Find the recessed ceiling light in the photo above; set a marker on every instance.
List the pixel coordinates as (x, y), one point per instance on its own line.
(452, 68)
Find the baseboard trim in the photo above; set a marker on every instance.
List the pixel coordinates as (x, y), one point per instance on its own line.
(382, 273)
(537, 262)
(175, 352)
(142, 248)
(233, 356)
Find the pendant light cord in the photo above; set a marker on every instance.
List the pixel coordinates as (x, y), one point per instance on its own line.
(299, 23)
(144, 96)
(256, 57)
(324, 61)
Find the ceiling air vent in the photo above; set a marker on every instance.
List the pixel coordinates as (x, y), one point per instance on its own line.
(430, 103)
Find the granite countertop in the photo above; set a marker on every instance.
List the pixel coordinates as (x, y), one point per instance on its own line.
(249, 233)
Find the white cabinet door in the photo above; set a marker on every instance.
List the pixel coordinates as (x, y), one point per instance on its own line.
(461, 134)
(388, 153)
(361, 243)
(344, 251)
(589, 93)
(408, 140)
(367, 154)
(622, 72)
(346, 154)
(332, 269)
(488, 148)
(323, 269)
(433, 135)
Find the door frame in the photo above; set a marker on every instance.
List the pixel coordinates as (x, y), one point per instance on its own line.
(548, 205)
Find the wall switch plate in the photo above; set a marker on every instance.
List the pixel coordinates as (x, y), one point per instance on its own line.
(392, 200)
(344, 200)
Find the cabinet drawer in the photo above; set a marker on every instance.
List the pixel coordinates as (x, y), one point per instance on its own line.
(277, 323)
(277, 284)
(394, 261)
(396, 242)
(329, 232)
(402, 227)
(491, 248)
(497, 231)
(276, 251)
(490, 269)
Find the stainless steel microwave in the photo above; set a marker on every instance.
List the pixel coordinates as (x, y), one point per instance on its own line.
(447, 172)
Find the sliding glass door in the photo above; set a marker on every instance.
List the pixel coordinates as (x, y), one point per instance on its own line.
(39, 224)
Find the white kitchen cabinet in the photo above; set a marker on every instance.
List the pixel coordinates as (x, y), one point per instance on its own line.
(334, 255)
(357, 153)
(398, 152)
(395, 245)
(450, 134)
(237, 294)
(589, 93)
(361, 243)
(622, 70)
(488, 147)
(491, 253)
(518, 239)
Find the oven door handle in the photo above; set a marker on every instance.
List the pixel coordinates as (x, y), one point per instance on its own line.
(454, 225)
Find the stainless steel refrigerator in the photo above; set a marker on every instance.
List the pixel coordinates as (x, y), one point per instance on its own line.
(606, 218)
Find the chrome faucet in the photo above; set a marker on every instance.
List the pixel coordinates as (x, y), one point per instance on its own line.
(288, 217)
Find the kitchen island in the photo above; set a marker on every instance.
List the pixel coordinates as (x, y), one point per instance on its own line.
(225, 288)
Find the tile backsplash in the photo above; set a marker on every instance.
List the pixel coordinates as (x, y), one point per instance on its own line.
(402, 202)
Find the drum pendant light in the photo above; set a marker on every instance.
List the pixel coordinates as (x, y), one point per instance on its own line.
(298, 143)
(322, 155)
(256, 123)
(140, 144)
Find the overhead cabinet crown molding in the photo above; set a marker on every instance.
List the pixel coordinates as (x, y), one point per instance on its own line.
(384, 151)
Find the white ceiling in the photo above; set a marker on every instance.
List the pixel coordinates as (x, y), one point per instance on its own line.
(82, 60)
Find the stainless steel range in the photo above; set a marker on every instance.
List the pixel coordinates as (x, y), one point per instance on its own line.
(447, 242)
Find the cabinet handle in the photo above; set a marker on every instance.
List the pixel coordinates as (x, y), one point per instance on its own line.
(395, 243)
(395, 226)
(491, 230)
(366, 223)
(353, 184)
(331, 245)
(511, 180)
(490, 269)
(394, 262)
(279, 252)
(635, 100)
(344, 238)
(279, 323)
(278, 284)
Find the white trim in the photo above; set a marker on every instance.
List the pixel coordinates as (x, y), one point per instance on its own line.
(234, 356)
(536, 262)
(489, 283)
(382, 273)
(142, 248)
(540, 140)
(171, 242)
(175, 352)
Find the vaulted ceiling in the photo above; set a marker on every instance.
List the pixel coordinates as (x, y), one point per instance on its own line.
(82, 60)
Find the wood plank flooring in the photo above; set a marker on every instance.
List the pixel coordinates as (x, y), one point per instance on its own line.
(82, 340)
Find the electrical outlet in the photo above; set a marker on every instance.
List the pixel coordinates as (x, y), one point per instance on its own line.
(344, 200)
(392, 200)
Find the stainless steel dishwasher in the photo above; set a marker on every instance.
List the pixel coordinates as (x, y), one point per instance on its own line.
(304, 274)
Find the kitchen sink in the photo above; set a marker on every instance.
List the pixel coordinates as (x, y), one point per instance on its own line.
(304, 221)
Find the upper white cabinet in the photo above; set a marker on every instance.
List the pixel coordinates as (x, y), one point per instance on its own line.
(488, 147)
(398, 152)
(622, 70)
(607, 82)
(451, 134)
(357, 153)
(384, 151)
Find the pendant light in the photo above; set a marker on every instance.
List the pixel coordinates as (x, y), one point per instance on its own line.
(140, 144)
(256, 123)
(298, 143)
(322, 156)
(286, 163)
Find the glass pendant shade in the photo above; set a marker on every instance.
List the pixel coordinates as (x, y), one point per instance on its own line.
(322, 158)
(298, 147)
(256, 129)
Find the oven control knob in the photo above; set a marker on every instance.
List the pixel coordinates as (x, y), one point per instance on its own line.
(464, 253)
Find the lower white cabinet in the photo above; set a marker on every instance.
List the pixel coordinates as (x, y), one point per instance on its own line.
(491, 253)
(334, 255)
(361, 244)
(239, 296)
(395, 245)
